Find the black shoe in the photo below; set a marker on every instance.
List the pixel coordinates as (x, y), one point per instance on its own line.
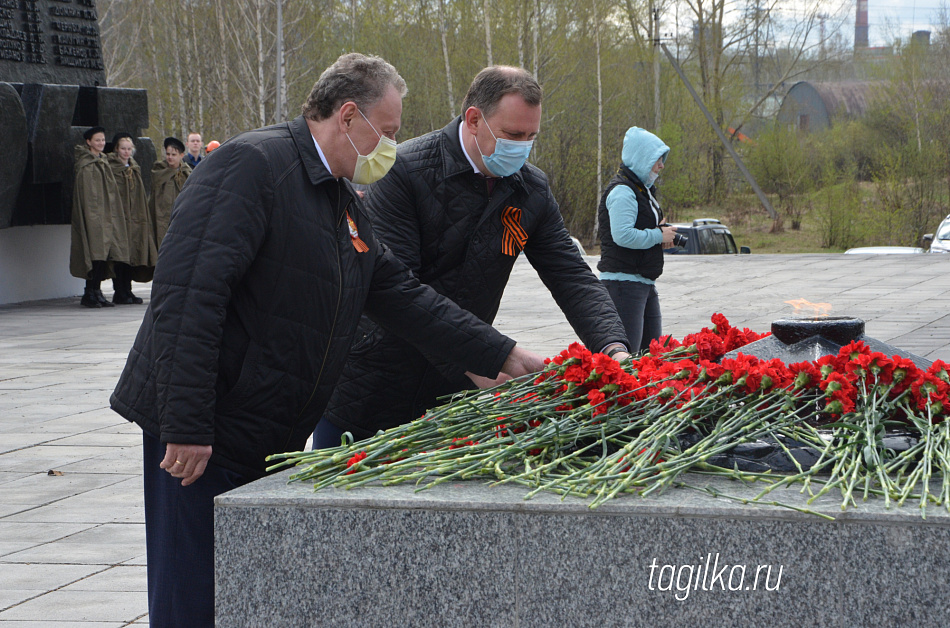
(103, 302)
(89, 299)
(126, 298)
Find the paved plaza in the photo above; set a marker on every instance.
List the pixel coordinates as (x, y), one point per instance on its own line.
(72, 537)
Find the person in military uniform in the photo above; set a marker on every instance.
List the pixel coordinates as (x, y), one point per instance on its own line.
(143, 251)
(99, 229)
(168, 177)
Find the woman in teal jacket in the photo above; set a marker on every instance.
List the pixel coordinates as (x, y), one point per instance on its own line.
(633, 235)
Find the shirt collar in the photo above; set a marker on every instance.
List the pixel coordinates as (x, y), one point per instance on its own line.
(322, 156)
(465, 152)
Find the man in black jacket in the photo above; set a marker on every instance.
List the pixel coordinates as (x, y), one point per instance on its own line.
(268, 262)
(458, 208)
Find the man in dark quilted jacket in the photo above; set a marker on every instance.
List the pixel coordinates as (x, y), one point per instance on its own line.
(458, 207)
(268, 262)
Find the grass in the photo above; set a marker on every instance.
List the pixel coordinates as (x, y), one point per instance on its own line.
(751, 226)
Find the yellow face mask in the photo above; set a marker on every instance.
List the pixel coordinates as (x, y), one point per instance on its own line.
(373, 167)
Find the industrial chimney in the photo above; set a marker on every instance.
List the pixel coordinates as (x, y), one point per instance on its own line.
(861, 25)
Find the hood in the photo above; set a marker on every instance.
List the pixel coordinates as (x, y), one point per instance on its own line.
(83, 157)
(117, 163)
(641, 149)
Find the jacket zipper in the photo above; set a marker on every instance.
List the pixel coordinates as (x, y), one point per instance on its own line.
(336, 313)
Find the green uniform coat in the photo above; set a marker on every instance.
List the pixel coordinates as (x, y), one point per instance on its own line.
(99, 228)
(166, 184)
(143, 249)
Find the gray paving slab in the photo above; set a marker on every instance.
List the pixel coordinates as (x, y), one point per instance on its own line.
(41, 578)
(81, 606)
(119, 578)
(22, 536)
(72, 547)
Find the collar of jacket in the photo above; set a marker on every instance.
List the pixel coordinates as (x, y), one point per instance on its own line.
(454, 161)
(317, 172)
(628, 174)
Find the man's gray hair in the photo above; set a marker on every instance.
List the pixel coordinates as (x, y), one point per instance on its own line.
(494, 82)
(355, 77)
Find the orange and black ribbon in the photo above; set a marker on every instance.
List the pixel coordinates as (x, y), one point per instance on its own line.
(515, 237)
(358, 244)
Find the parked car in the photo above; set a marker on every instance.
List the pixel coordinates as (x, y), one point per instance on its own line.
(940, 240)
(705, 236)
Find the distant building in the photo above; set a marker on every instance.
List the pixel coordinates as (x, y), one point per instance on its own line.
(812, 106)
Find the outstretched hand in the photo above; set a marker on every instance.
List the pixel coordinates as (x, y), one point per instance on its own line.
(521, 362)
(485, 382)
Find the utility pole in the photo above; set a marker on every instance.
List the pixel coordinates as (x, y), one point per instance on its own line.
(655, 18)
(279, 106)
(755, 51)
(722, 138)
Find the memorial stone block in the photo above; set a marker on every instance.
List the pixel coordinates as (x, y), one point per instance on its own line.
(13, 148)
(52, 86)
(46, 41)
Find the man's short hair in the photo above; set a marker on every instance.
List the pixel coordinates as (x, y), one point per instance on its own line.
(494, 82)
(355, 77)
(192, 133)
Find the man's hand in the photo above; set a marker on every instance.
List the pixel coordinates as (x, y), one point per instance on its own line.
(521, 362)
(186, 462)
(484, 382)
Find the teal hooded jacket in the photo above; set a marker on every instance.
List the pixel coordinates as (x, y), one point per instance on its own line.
(641, 149)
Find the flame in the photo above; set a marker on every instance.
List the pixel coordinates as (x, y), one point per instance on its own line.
(803, 306)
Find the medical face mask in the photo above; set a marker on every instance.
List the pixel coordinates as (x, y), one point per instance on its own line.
(508, 157)
(373, 167)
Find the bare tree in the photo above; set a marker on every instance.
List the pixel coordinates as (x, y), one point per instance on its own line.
(445, 55)
(487, 15)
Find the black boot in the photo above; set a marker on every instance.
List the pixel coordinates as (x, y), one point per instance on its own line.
(89, 298)
(103, 301)
(123, 286)
(125, 297)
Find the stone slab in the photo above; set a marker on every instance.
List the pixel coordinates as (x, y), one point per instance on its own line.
(466, 554)
(80, 606)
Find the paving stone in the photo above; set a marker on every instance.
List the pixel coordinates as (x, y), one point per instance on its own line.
(43, 578)
(120, 578)
(77, 553)
(39, 489)
(81, 606)
(18, 536)
(45, 457)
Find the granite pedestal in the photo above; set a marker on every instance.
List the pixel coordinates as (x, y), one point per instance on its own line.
(465, 554)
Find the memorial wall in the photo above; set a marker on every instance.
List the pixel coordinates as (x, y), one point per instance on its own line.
(52, 88)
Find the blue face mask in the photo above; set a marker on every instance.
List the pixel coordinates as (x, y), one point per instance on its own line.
(508, 157)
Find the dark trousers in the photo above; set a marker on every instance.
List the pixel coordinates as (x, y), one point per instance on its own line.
(99, 271)
(639, 307)
(179, 540)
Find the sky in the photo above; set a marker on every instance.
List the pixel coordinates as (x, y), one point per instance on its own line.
(884, 16)
(887, 19)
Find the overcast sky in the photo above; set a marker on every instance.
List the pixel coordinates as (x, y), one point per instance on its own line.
(886, 16)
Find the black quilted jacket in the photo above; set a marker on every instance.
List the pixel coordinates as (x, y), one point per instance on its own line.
(257, 295)
(438, 217)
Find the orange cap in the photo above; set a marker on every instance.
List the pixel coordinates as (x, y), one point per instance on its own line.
(213, 144)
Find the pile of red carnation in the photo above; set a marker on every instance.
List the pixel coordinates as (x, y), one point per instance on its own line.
(591, 427)
(688, 370)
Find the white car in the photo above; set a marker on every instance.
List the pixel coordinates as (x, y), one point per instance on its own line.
(885, 250)
(939, 241)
